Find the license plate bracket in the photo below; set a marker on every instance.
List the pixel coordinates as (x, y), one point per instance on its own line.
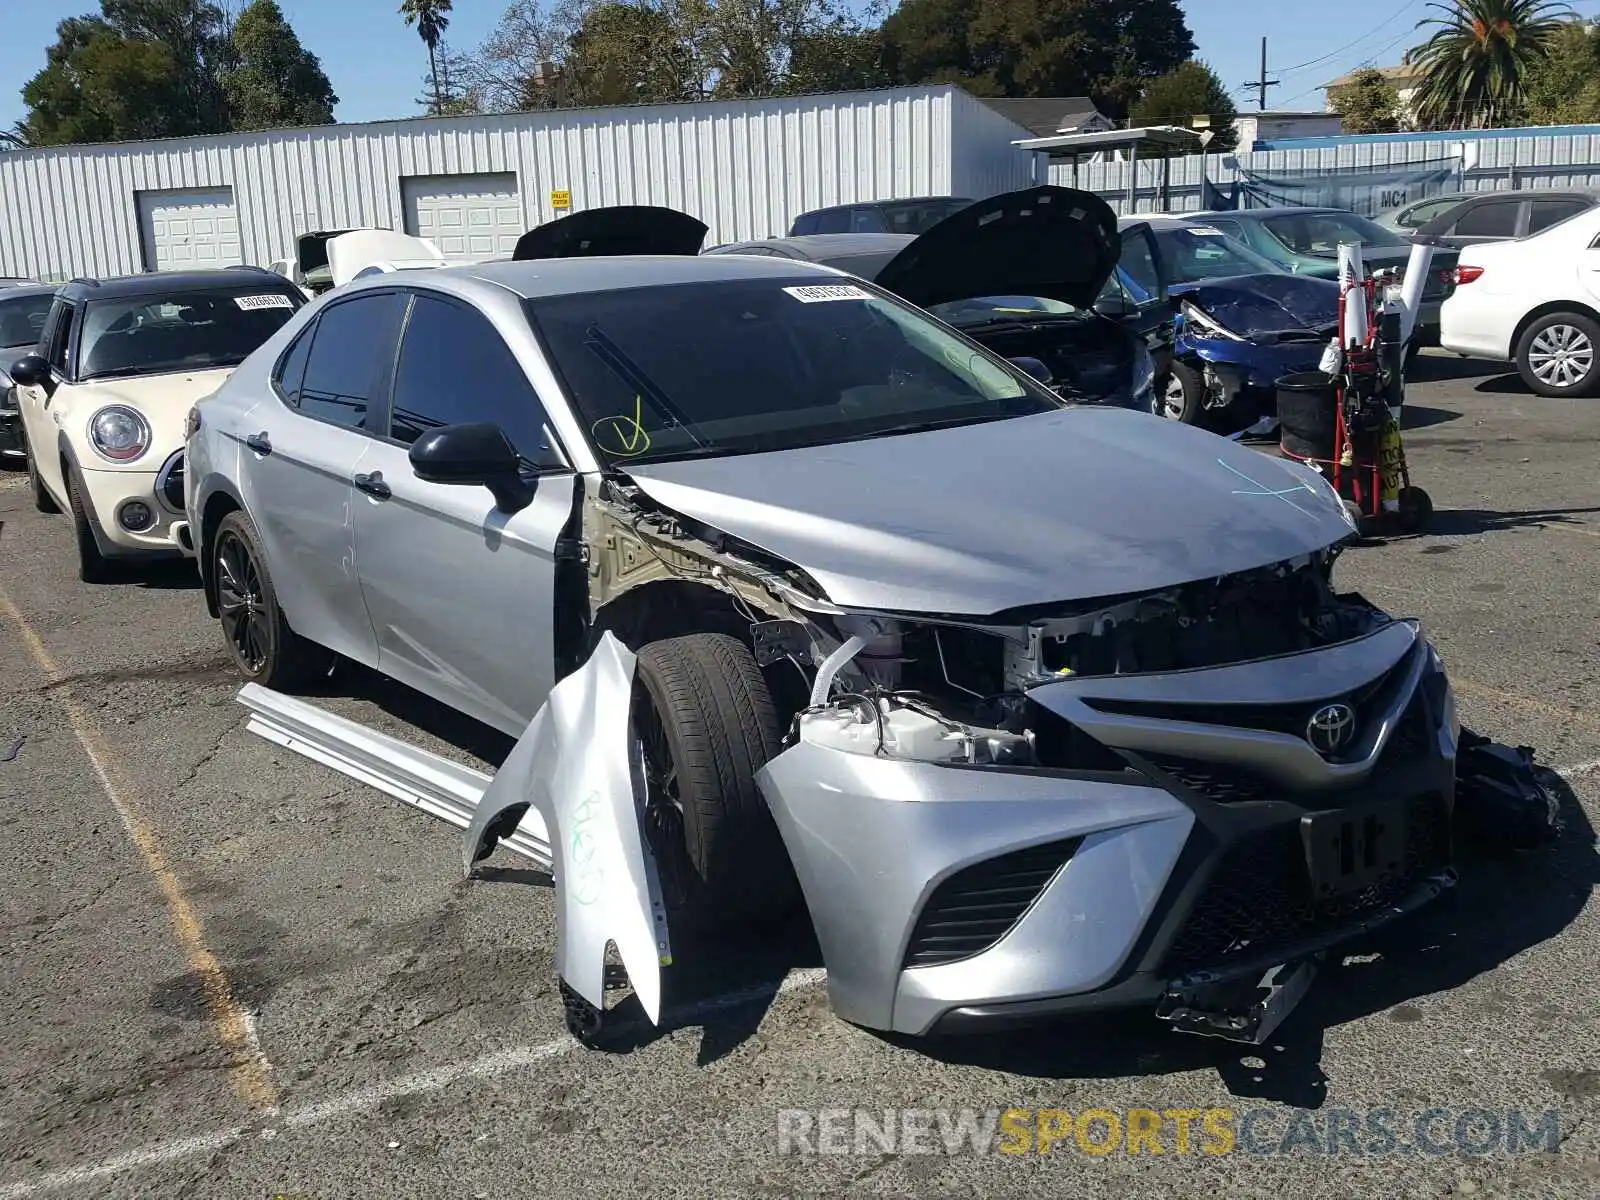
(1348, 849)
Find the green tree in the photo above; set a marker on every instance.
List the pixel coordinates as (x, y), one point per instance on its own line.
(628, 53)
(274, 80)
(1190, 91)
(455, 97)
(98, 86)
(432, 18)
(195, 32)
(1478, 58)
(1107, 49)
(1563, 88)
(1368, 104)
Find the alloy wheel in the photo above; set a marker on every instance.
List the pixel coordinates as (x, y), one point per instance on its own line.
(1172, 399)
(1561, 356)
(241, 603)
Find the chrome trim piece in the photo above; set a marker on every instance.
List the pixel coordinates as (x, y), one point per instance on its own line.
(173, 460)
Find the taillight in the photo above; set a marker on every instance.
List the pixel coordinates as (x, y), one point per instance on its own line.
(1465, 274)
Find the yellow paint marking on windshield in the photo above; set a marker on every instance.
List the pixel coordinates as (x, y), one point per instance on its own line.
(629, 432)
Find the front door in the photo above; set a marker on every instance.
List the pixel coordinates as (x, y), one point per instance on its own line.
(1143, 280)
(298, 458)
(461, 593)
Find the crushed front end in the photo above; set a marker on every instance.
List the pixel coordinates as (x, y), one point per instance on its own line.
(1151, 803)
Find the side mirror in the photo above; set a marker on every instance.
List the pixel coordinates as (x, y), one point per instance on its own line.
(1115, 308)
(1033, 367)
(475, 455)
(31, 370)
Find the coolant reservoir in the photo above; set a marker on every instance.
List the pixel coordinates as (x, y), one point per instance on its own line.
(906, 733)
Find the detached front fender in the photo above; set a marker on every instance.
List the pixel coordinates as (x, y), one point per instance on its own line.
(578, 767)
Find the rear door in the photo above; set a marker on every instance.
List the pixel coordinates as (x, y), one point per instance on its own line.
(462, 593)
(1141, 277)
(1490, 221)
(300, 450)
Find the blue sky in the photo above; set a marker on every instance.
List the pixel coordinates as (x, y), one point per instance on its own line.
(377, 64)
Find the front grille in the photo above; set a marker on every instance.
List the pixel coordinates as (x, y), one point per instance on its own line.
(171, 483)
(978, 905)
(1259, 897)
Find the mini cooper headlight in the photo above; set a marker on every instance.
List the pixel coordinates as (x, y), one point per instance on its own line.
(119, 434)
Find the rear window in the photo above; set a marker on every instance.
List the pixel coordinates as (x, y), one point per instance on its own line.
(1320, 233)
(180, 331)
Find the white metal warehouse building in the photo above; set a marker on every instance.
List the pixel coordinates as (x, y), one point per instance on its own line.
(474, 184)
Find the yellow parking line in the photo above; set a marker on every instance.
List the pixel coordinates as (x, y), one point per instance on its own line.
(251, 1072)
(1554, 711)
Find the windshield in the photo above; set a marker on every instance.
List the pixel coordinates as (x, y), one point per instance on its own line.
(1191, 253)
(737, 366)
(181, 331)
(999, 308)
(1319, 233)
(22, 319)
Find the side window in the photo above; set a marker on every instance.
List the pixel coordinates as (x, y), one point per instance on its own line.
(58, 331)
(1544, 213)
(455, 369)
(866, 220)
(1495, 219)
(1140, 264)
(350, 358)
(833, 220)
(803, 224)
(1230, 228)
(291, 371)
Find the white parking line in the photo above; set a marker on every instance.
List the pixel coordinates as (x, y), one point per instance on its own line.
(364, 1099)
(1577, 769)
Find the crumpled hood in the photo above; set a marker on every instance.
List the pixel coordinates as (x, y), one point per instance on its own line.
(1254, 305)
(973, 520)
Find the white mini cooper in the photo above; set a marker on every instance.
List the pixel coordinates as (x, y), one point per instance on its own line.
(104, 397)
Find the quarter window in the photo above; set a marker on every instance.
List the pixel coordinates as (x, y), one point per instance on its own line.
(60, 331)
(455, 369)
(1498, 219)
(1544, 213)
(350, 357)
(292, 370)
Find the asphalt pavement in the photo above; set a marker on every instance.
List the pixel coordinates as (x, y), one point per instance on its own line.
(232, 973)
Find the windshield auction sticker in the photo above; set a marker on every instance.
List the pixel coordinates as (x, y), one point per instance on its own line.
(816, 293)
(264, 300)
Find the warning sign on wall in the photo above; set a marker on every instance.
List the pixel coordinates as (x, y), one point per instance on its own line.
(560, 200)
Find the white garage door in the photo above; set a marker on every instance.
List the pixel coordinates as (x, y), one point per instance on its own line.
(466, 216)
(189, 228)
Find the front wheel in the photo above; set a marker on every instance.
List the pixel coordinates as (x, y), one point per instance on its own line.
(93, 566)
(1559, 355)
(262, 645)
(1183, 397)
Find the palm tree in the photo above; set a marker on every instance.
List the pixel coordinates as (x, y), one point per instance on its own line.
(431, 17)
(1477, 60)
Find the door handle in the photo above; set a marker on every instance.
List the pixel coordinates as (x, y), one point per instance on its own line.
(373, 485)
(259, 442)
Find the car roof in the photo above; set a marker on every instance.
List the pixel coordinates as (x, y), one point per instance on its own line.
(819, 247)
(543, 277)
(1534, 194)
(888, 203)
(150, 282)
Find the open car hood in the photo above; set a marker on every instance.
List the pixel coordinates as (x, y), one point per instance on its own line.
(617, 229)
(350, 253)
(1256, 305)
(977, 519)
(1055, 242)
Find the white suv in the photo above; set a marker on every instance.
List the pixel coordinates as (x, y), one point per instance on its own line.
(104, 396)
(1534, 301)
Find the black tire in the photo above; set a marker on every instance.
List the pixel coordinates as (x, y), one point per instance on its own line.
(1412, 351)
(263, 647)
(1183, 398)
(707, 724)
(1566, 347)
(1416, 509)
(42, 499)
(93, 566)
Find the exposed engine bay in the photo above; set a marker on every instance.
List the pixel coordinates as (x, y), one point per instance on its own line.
(1090, 358)
(955, 689)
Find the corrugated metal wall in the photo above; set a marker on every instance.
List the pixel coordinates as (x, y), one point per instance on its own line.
(744, 168)
(1532, 161)
(983, 160)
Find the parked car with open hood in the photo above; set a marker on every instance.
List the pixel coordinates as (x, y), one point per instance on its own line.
(1029, 274)
(1242, 321)
(23, 309)
(1535, 302)
(1306, 241)
(790, 590)
(103, 397)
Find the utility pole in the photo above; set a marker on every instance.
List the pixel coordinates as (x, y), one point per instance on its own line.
(1260, 86)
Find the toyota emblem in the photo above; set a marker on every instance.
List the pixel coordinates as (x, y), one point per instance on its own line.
(1331, 728)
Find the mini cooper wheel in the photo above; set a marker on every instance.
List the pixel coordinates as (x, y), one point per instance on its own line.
(706, 724)
(93, 566)
(1559, 355)
(262, 645)
(1183, 397)
(42, 499)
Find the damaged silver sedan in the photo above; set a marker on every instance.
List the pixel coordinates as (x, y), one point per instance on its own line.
(796, 596)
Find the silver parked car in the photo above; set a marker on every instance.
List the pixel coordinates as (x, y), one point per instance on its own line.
(1036, 707)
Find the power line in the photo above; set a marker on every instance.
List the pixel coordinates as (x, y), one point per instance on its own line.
(1351, 44)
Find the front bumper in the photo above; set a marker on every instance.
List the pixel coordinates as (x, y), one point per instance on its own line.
(959, 898)
(109, 492)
